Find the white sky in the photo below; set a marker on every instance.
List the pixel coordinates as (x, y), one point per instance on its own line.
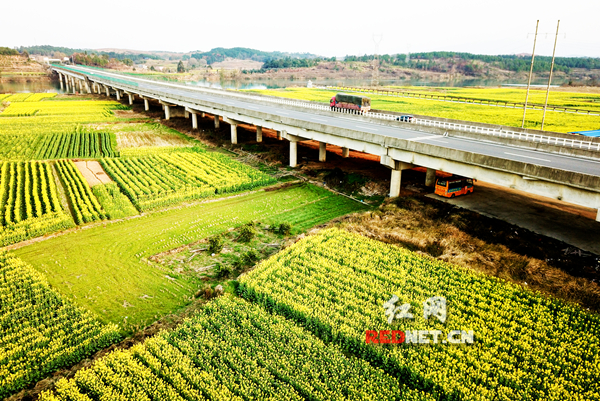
(327, 28)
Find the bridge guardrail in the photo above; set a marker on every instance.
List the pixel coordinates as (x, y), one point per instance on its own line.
(574, 143)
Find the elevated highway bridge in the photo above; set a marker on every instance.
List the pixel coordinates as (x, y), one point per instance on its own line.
(552, 169)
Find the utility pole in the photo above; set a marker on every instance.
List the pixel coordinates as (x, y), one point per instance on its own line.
(550, 78)
(530, 73)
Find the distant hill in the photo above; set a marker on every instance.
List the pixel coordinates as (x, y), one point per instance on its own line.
(58, 52)
(242, 53)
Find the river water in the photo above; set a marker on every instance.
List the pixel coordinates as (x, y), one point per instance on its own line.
(54, 86)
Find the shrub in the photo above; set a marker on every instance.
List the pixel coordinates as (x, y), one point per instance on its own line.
(284, 228)
(215, 244)
(247, 232)
(250, 257)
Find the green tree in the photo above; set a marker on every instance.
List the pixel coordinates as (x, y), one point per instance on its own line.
(180, 67)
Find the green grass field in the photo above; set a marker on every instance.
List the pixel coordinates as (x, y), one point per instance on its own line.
(557, 122)
(106, 270)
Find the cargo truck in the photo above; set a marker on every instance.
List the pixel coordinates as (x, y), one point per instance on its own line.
(351, 102)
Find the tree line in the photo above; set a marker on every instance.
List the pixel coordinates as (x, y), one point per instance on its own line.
(515, 63)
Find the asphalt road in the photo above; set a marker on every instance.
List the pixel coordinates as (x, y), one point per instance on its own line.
(345, 121)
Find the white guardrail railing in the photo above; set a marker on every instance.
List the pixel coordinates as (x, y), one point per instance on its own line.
(557, 141)
(551, 140)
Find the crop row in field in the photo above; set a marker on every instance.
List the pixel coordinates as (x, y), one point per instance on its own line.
(40, 330)
(83, 202)
(526, 346)
(160, 180)
(34, 137)
(112, 259)
(555, 121)
(113, 201)
(232, 350)
(77, 144)
(25, 97)
(29, 203)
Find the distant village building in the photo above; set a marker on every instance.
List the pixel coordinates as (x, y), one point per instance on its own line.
(309, 84)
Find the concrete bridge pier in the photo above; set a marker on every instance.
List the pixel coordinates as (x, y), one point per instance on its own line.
(345, 152)
(130, 98)
(73, 88)
(107, 91)
(258, 133)
(280, 134)
(61, 81)
(203, 115)
(397, 167)
(79, 81)
(217, 122)
(194, 117)
(430, 177)
(118, 95)
(322, 151)
(187, 114)
(234, 134)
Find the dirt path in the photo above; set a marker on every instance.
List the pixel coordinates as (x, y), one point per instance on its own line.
(92, 172)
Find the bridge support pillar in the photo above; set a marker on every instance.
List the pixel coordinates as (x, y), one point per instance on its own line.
(194, 120)
(430, 177)
(107, 91)
(397, 167)
(118, 94)
(187, 114)
(217, 122)
(130, 98)
(234, 134)
(73, 89)
(396, 183)
(258, 133)
(203, 115)
(61, 81)
(322, 151)
(167, 112)
(293, 153)
(279, 135)
(80, 86)
(345, 152)
(146, 105)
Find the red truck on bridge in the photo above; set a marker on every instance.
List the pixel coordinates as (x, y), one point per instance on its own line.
(351, 102)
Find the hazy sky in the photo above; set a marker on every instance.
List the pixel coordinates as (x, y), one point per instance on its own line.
(327, 28)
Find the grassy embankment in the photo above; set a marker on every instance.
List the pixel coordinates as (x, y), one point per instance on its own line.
(555, 121)
(106, 268)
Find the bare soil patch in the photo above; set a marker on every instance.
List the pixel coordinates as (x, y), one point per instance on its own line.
(148, 138)
(93, 172)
